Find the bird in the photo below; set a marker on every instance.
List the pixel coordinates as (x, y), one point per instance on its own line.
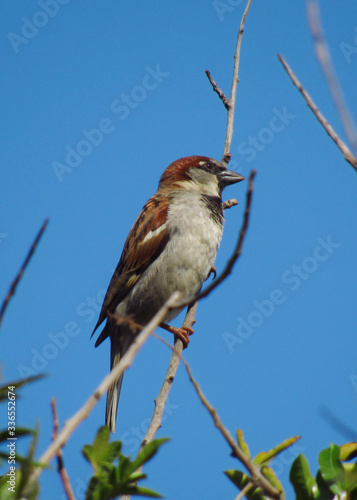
(171, 247)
